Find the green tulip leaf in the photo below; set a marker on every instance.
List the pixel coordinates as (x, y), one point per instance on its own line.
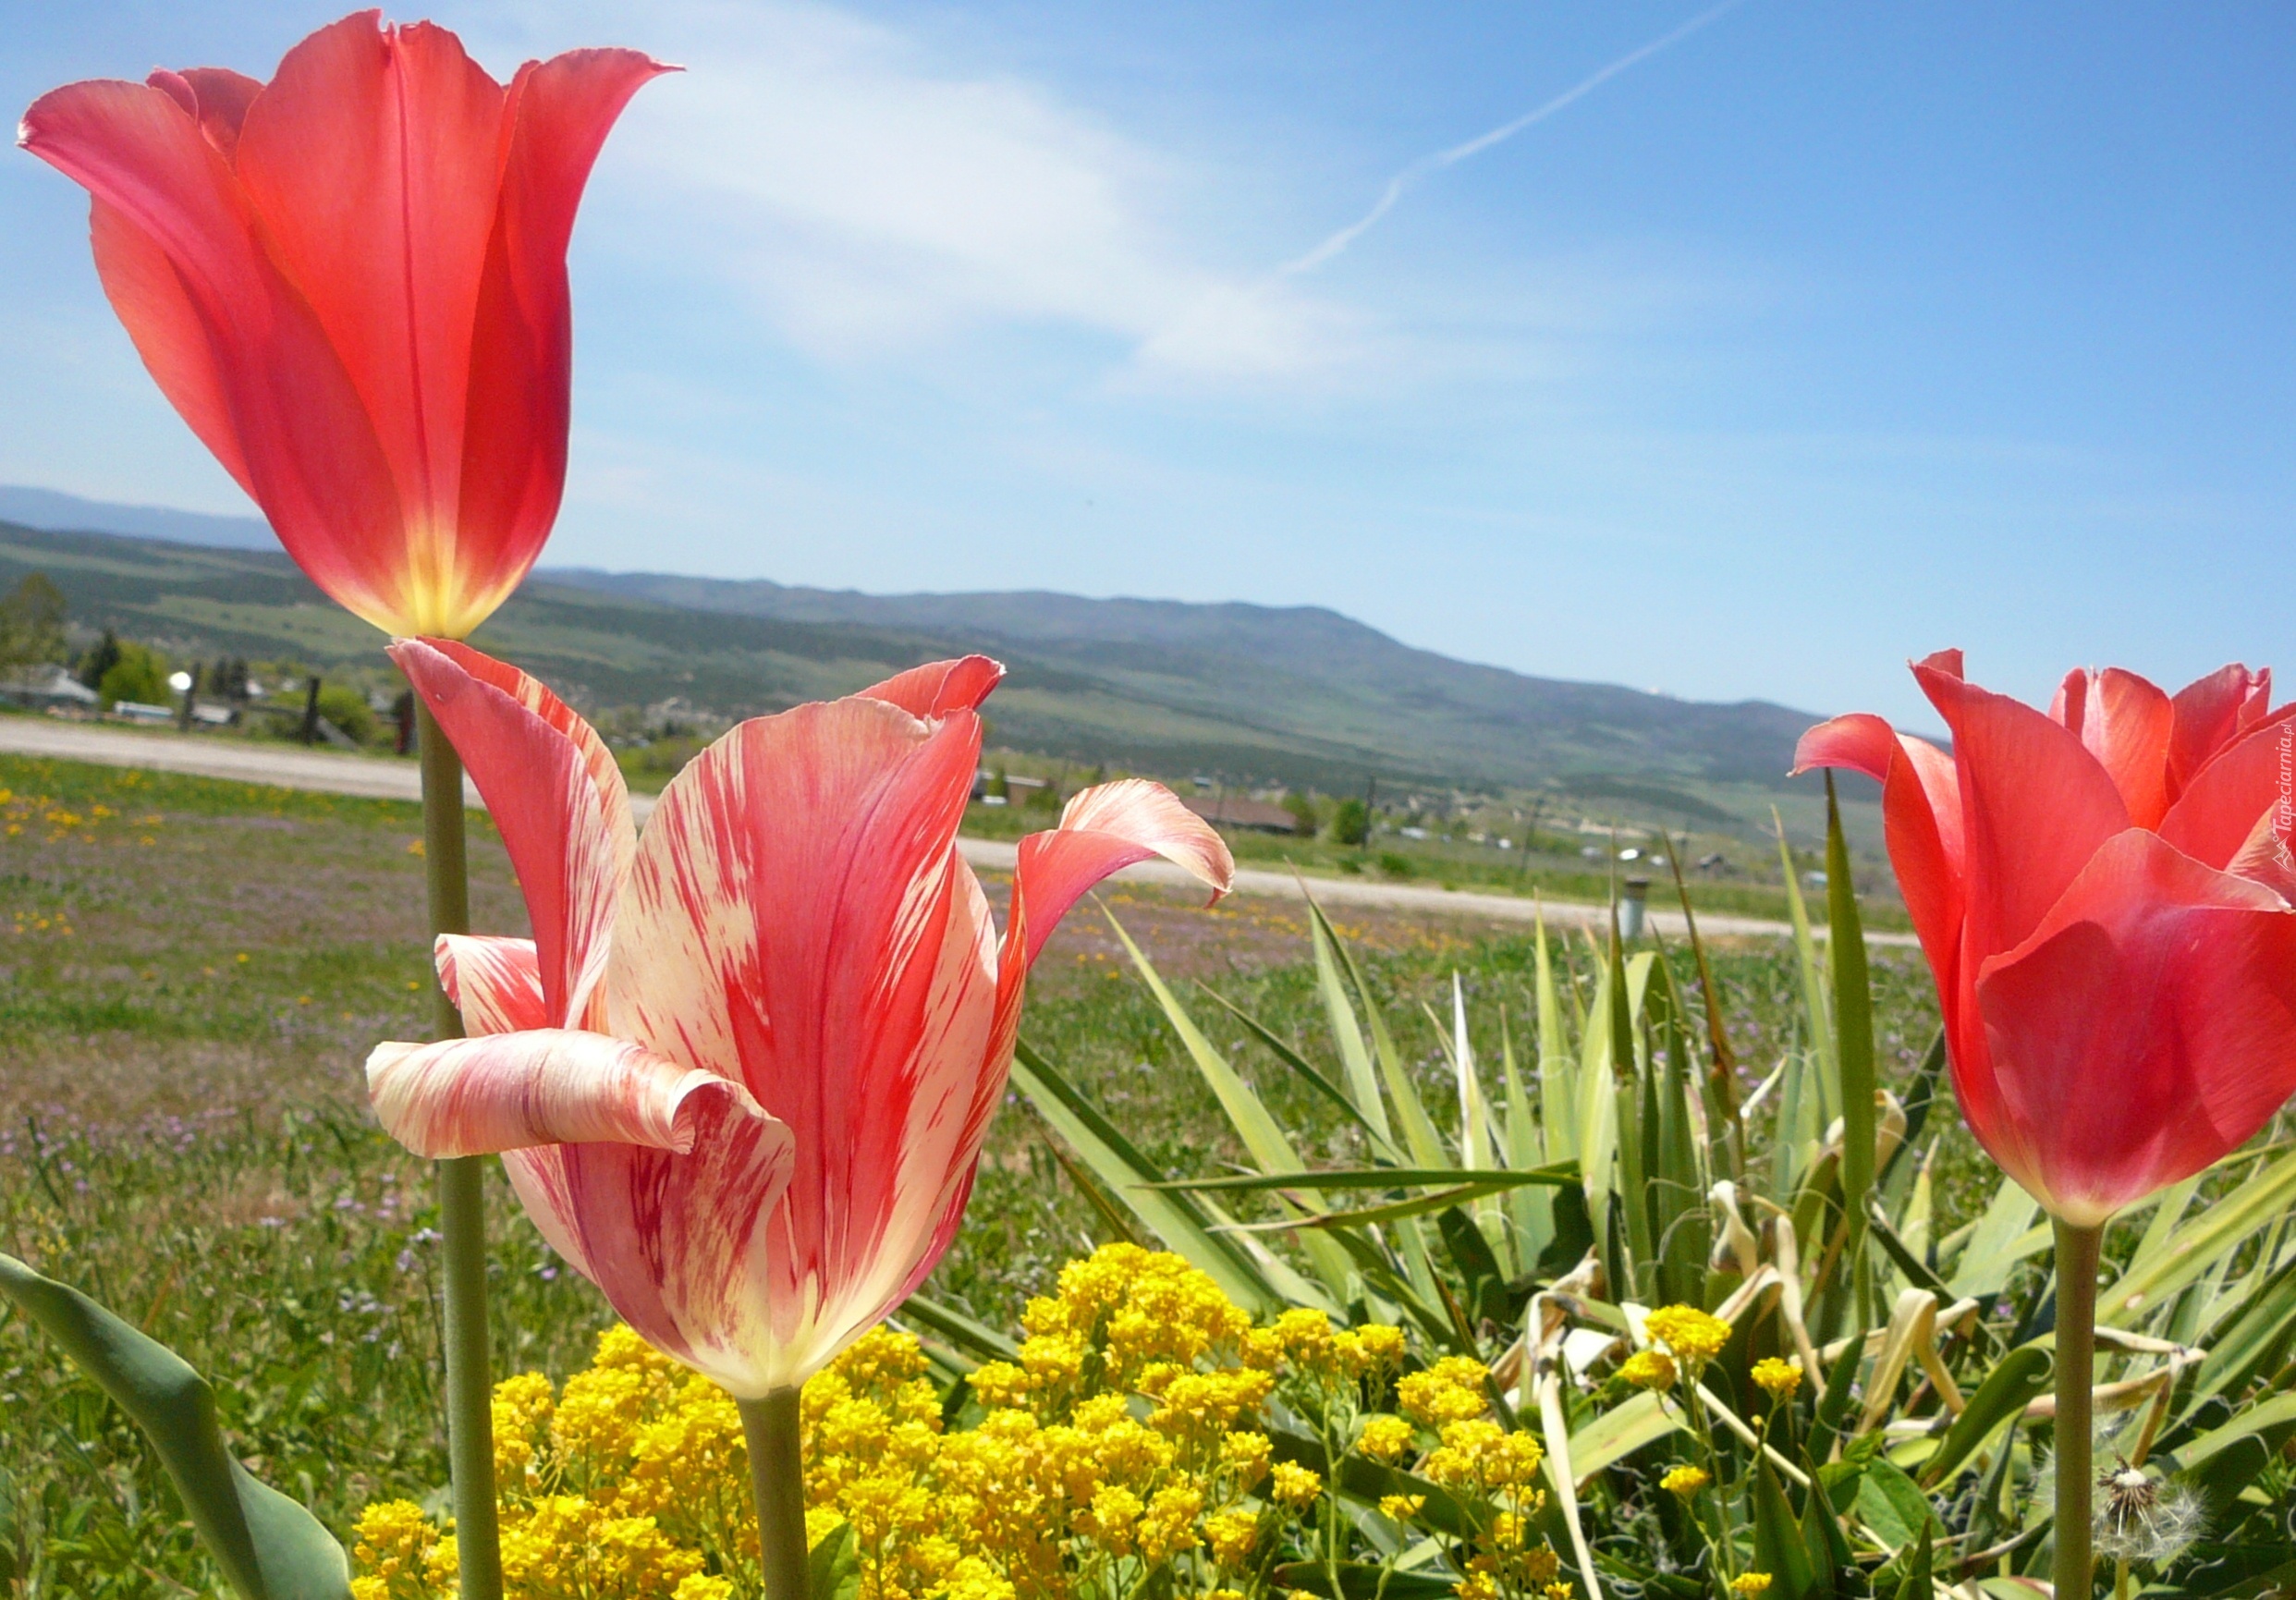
(269, 1546)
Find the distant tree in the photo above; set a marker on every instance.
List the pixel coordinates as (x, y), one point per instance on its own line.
(1350, 822)
(103, 655)
(1303, 810)
(32, 623)
(347, 709)
(227, 678)
(139, 675)
(999, 785)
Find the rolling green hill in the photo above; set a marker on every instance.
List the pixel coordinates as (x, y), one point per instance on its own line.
(1294, 695)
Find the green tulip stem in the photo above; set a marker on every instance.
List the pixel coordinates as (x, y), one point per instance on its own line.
(778, 1480)
(2077, 1256)
(462, 1198)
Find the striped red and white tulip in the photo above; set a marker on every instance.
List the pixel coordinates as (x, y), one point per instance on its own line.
(741, 1074)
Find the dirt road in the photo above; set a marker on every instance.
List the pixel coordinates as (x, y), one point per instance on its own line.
(335, 772)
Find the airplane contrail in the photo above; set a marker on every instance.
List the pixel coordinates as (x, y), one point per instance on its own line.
(1483, 141)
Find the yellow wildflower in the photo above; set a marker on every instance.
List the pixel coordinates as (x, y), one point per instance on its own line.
(1751, 1584)
(1246, 1456)
(700, 1586)
(1231, 1535)
(393, 1538)
(1692, 1334)
(1385, 1438)
(1778, 1378)
(1401, 1508)
(1685, 1480)
(1452, 1390)
(1382, 1345)
(1294, 1486)
(1650, 1369)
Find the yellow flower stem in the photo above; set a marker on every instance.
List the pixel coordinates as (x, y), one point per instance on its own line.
(462, 1198)
(1701, 1430)
(2078, 1250)
(771, 1426)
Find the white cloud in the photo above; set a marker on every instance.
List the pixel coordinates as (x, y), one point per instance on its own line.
(869, 199)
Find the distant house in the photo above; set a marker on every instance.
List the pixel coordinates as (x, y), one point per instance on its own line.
(1235, 812)
(46, 686)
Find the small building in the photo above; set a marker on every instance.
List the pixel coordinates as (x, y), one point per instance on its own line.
(46, 687)
(1236, 812)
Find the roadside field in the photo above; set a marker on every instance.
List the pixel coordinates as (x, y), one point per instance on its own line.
(191, 972)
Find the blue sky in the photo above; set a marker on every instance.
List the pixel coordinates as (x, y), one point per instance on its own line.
(1822, 337)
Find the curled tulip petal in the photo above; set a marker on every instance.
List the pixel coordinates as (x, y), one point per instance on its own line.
(940, 687)
(500, 1092)
(1103, 830)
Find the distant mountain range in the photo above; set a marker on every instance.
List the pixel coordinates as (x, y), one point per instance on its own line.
(1297, 694)
(60, 513)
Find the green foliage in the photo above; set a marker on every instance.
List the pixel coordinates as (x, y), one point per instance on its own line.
(1396, 865)
(32, 622)
(103, 655)
(1915, 1444)
(1304, 821)
(270, 1547)
(347, 709)
(1350, 822)
(139, 675)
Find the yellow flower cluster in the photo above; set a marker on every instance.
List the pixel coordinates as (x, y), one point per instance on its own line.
(1685, 1480)
(1778, 1378)
(1128, 1445)
(1650, 1369)
(1486, 1465)
(1692, 1334)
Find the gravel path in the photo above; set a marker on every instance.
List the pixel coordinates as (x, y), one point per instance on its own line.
(336, 772)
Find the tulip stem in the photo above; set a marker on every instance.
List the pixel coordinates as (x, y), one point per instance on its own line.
(462, 1198)
(2077, 1256)
(778, 1480)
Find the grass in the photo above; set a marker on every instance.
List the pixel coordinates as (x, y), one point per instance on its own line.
(193, 971)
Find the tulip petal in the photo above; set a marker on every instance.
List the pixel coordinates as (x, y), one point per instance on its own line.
(215, 97)
(2146, 1029)
(231, 343)
(374, 159)
(495, 983)
(521, 361)
(2126, 722)
(558, 796)
(797, 907)
(940, 687)
(677, 1244)
(2035, 806)
(1920, 822)
(2218, 813)
(1103, 830)
(498, 1091)
(2211, 713)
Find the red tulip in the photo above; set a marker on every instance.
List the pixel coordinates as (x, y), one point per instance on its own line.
(2104, 894)
(351, 283)
(742, 1071)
